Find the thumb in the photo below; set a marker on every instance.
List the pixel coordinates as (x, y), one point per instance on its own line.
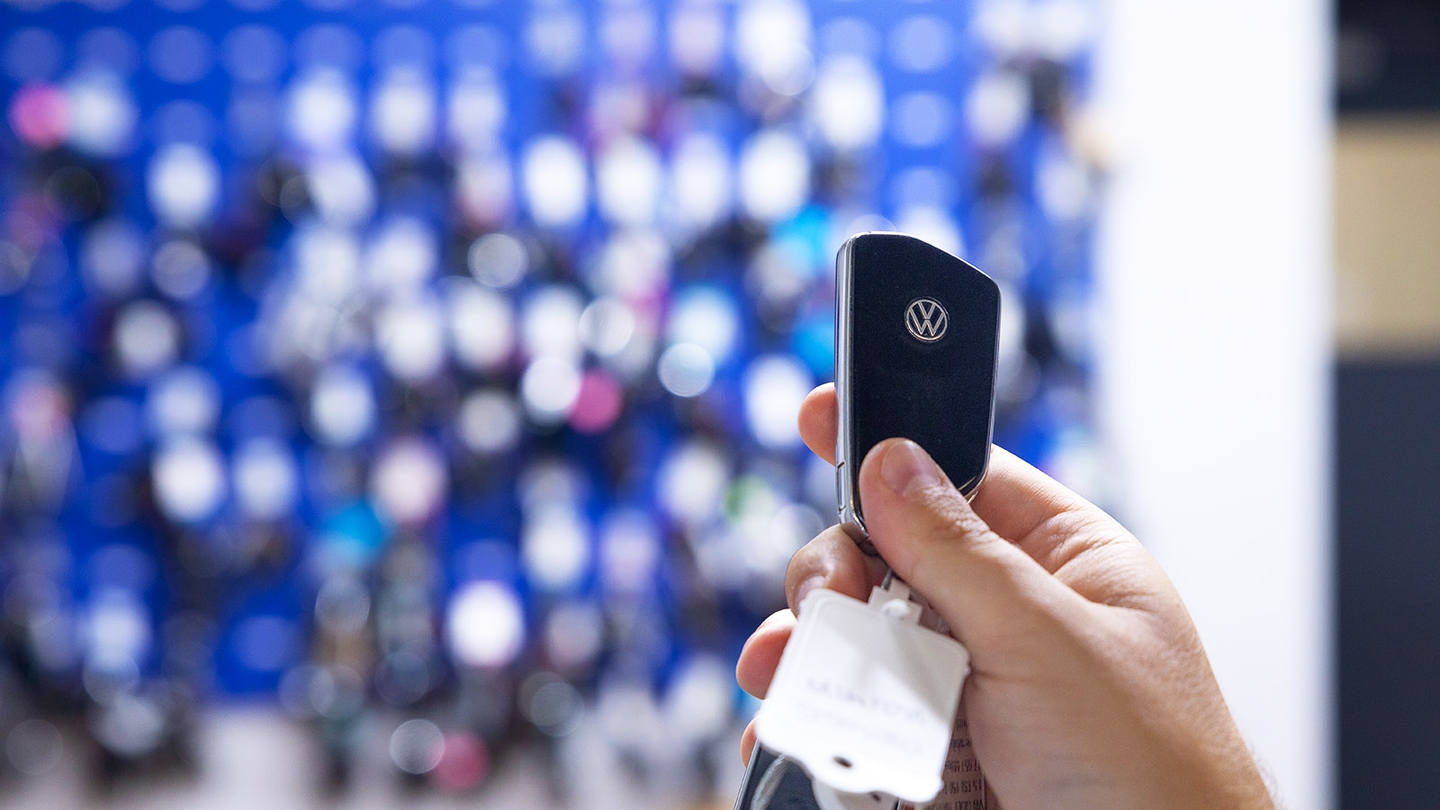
(980, 583)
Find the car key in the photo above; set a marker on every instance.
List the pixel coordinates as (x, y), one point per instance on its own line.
(916, 335)
(916, 340)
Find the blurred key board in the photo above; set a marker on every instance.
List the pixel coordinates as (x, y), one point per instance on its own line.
(438, 362)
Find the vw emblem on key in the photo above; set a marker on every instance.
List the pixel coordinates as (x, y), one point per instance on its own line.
(926, 319)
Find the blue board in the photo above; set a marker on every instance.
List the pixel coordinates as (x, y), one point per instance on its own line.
(438, 358)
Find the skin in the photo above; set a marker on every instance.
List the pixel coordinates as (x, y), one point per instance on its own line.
(1089, 685)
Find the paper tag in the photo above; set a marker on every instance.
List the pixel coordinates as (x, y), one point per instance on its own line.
(863, 698)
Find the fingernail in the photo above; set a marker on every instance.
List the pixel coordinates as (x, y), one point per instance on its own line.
(906, 468)
(805, 588)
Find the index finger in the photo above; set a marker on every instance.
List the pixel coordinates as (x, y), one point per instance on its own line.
(820, 421)
(1014, 500)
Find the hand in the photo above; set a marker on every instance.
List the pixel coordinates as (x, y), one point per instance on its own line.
(1089, 686)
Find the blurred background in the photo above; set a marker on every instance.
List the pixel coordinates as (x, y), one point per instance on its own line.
(1387, 240)
(397, 396)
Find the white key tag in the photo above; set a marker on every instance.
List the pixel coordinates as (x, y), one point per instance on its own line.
(864, 698)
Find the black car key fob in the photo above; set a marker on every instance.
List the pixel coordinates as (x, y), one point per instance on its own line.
(916, 333)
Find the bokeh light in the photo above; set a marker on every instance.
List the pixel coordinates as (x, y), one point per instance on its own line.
(430, 371)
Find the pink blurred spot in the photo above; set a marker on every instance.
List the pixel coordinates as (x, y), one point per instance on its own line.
(464, 762)
(598, 404)
(40, 412)
(40, 115)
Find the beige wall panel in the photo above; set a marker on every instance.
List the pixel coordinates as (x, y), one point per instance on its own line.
(1387, 236)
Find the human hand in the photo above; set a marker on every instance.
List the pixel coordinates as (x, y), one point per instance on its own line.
(1089, 686)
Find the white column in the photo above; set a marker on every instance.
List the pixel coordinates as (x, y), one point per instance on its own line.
(1216, 345)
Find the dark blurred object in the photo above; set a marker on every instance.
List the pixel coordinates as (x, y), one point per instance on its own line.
(1388, 465)
(1387, 56)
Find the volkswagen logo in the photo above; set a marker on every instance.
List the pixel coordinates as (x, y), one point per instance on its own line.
(926, 319)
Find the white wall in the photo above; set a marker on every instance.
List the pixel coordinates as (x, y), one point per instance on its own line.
(1215, 293)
